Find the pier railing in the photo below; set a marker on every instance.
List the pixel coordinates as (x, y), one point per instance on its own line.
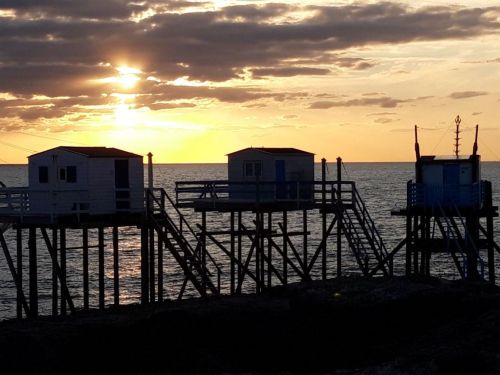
(188, 193)
(23, 201)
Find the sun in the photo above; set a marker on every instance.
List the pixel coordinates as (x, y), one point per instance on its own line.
(128, 77)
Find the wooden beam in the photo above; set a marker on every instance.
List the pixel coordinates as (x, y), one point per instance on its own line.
(116, 267)
(33, 273)
(58, 270)
(15, 276)
(85, 245)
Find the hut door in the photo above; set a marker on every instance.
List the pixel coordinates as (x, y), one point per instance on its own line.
(451, 181)
(122, 192)
(280, 179)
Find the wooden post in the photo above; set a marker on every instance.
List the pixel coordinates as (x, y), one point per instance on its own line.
(285, 248)
(19, 260)
(491, 252)
(257, 252)
(54, 274)
(33, 273)
(415, 249)
(240, 270)
(339, 220)
(269, 249)
(152, 279)
(144, 265)
(408, 243)
(323, 217)
(116, 268)
(85, 244)
(262, 263)
(233, 263)
(160, 268)
(100, 245)
(204, 251)
(304, 243)
(63, 269)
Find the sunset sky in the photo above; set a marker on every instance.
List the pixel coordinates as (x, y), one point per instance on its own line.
(191, 81)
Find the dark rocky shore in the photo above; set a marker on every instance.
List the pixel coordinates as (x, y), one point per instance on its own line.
(346, 326)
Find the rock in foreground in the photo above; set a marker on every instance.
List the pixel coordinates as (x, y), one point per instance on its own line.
(350, 325)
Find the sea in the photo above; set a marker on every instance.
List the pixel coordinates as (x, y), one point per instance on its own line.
(381, 185)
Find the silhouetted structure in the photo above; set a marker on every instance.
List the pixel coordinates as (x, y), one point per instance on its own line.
(251, 247)
(447, 205)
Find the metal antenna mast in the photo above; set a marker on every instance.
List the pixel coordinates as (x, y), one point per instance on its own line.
(458, 120)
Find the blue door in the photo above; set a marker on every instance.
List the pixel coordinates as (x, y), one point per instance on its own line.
(451, 182)
(280, 179)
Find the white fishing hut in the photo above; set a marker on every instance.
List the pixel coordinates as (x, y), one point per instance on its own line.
(91, 180)
(447, 181)
(280, 173)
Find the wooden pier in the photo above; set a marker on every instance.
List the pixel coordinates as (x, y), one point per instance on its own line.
(253, 247)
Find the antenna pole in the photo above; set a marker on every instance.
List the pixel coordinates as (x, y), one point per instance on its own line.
(474, 148)
(458, 120)
(417, 146)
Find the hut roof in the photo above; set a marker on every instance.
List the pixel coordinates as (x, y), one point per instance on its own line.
(274, 150)
(95, 152)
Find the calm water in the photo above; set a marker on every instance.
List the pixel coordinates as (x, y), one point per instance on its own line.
(382, 186)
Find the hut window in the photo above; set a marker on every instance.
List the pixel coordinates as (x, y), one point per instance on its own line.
(62, 174)
(253, 168)
(71, 174)
(43, 175)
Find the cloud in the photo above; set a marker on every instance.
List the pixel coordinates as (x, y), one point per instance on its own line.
(288, 72)
(382, 114)
(60, 48)
(467, 94)
(476, 113)
(384, 102)
(384, 120)
(218, 45)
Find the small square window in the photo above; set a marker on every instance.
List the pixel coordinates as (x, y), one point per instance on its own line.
(62, 174)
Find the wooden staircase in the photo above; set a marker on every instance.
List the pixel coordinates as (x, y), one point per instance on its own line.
(188, 258)
(362, 235)
(459, 243)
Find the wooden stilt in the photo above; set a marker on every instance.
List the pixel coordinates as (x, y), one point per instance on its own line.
(63, 268)
(160, 268)
(408, 244)
(33, 273)
(85, 245)
(285, 248)
(116, 267)
(257, 252)
(269, 249)
(339, 227)
(152, 270)
(55, 291)
(304, 241)
(19, 260)
(323, 219)
(100, 243)
(491, 252)
(203, 240)
(262, 261)
(144, 265)
(239, 250)
(415, 250)
(233, 263)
